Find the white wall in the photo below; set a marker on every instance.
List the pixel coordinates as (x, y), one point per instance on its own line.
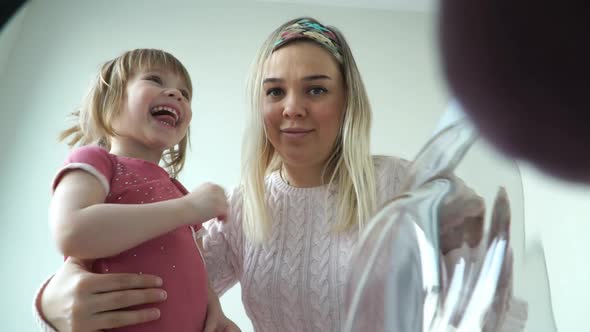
(62, 42)
(558, 214)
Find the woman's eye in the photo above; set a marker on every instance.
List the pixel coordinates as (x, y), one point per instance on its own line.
(317, 91)
(274, 92)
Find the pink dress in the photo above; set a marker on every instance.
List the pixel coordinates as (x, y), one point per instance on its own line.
(173, 256)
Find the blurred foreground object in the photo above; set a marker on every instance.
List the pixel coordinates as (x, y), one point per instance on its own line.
(521, 70)
(448, 254)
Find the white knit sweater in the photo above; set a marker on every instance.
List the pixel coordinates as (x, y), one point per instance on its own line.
(295, 281)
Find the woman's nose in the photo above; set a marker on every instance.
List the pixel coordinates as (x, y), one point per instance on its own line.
(294, 107)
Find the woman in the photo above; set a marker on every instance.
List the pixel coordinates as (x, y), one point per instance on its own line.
(309, 185)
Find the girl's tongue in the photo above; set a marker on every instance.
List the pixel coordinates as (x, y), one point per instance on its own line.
(166, 118)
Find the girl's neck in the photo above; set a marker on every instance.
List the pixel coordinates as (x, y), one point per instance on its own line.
(136, 151)
(304, 177)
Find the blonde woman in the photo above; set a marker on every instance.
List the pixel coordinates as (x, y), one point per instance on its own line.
(309, 186)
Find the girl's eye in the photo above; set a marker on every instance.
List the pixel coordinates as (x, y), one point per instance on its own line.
(274, 92)
(154, 78)
(185, 94)
(317, 91)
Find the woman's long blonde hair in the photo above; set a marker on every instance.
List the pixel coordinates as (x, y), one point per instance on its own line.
(350, 163)
(106, 97)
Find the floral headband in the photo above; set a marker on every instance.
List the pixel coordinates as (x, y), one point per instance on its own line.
(306, 29)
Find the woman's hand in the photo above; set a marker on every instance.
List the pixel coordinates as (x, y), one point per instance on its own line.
(500, 228)
(461, 218)
(462, 229)
(76, 300)
(216, 320)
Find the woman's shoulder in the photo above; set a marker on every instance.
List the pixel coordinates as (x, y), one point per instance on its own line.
(234, 197)
(384, 163)
(390, 174)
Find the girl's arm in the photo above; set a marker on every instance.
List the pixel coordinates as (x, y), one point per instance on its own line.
(87, 228)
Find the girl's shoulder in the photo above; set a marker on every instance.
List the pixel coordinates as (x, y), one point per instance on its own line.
(90, 151)
(92, 156)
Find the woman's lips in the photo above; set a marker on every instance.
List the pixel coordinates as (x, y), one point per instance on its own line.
(295, 132)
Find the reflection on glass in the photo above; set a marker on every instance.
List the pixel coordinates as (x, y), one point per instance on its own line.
(448, 254)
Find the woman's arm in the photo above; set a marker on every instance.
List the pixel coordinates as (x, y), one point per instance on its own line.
(221, 245)
(86, 228)
(216, 319)
(75, 300)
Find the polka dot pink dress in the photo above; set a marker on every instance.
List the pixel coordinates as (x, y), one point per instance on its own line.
(173, 256)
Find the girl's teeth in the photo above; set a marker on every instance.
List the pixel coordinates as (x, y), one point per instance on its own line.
(164, 108)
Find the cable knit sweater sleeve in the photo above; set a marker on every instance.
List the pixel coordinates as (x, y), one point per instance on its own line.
(223, 246)
(390, 175)
(41, 322)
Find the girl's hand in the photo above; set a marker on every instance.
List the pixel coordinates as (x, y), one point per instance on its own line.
(76, 300)
(208, 202)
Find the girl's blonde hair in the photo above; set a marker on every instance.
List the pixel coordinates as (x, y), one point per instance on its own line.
(103, 103)
(350, 163)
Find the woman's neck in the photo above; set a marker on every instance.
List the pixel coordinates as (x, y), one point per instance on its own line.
(304, 177)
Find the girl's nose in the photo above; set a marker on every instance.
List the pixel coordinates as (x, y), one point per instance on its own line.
(174, 93)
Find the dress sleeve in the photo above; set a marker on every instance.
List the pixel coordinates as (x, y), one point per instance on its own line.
(223, 247)
(92, 159)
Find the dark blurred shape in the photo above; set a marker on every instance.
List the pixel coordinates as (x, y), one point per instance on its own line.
(521, 70)
(9, 8)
